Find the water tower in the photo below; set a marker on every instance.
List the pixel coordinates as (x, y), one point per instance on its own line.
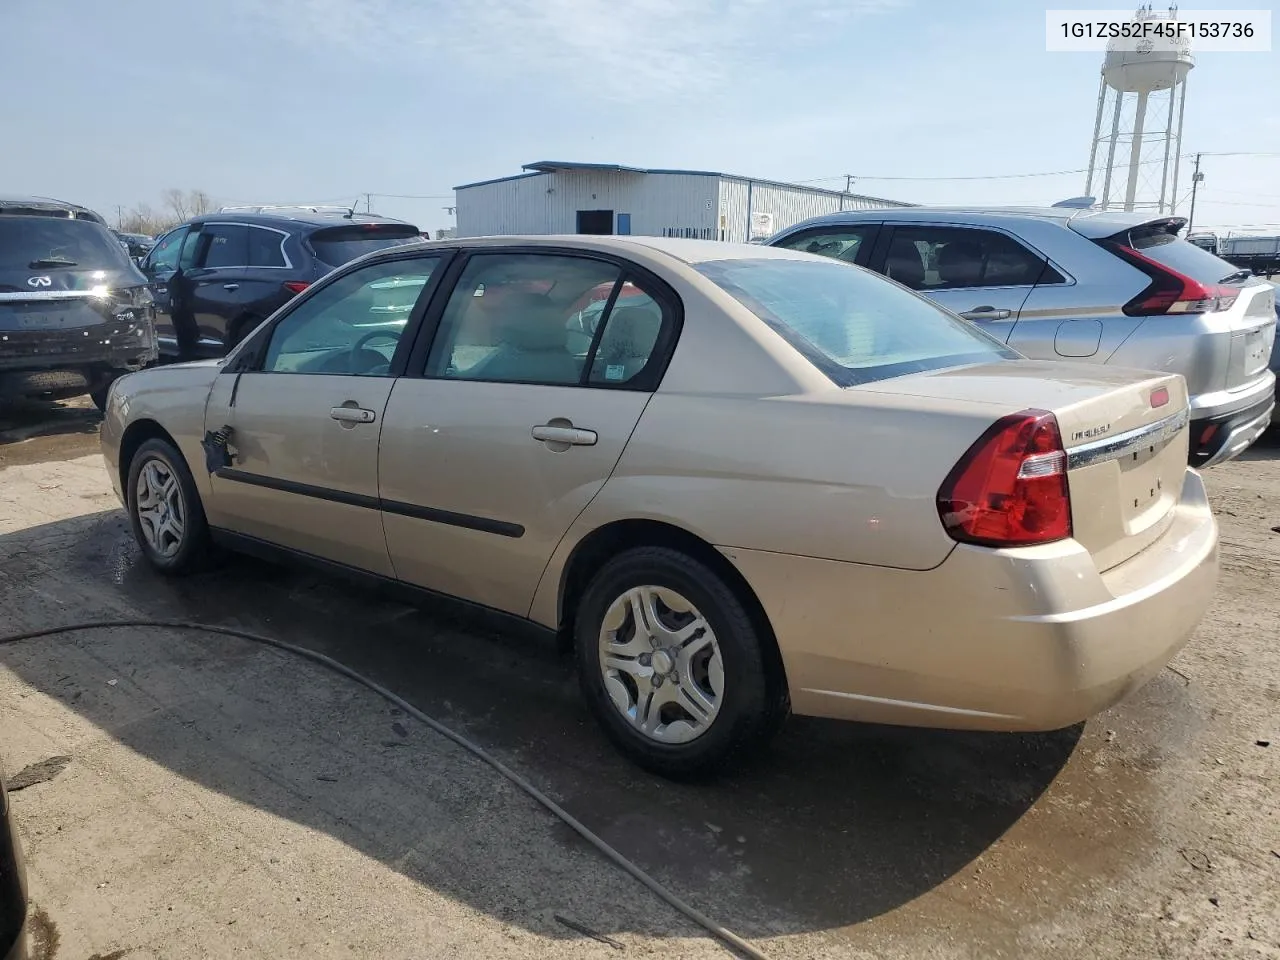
(1143, 92)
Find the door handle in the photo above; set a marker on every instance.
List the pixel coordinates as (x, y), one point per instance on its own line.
(231, 286)
(987, 313)
(353, 415)
(574, 436)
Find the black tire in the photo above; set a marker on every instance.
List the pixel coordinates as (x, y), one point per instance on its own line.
(753, 702)
(195, 548)
(99, 394)
(240, 328)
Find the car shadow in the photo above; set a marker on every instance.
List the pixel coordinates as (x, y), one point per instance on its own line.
(836, 824)
(1266, 447)
(65, 424)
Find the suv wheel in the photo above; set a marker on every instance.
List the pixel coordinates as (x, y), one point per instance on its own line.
(165, 510)
(673, 666)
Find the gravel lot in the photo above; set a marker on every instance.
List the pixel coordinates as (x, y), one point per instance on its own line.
(222, 800)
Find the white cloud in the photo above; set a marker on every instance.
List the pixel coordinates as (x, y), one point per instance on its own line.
(631, 50)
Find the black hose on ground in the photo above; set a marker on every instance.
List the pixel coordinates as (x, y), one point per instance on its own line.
(728, 937)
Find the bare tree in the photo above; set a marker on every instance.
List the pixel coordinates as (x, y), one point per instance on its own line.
(177, 203)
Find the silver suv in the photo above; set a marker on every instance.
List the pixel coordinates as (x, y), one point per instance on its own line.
(1065, 283)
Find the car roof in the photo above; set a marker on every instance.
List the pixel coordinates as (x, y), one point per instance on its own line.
(687, 250)
(298, 217)
(1090, 223)
(46, 205)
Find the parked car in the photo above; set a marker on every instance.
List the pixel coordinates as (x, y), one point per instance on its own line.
(733, 495)
(1275, 349)
(137, 244)
(75, 313)
(1101, 287)
(13, 888)
(218, 276)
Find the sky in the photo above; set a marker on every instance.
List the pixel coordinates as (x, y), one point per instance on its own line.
(290, 101)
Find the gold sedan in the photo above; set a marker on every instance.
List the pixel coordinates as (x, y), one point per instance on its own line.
(742, 480)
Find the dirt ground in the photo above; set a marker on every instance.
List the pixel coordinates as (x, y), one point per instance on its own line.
(210, 798)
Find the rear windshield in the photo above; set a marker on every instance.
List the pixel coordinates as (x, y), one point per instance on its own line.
(853, 325)
(47, 243)
(1176, 254)
(337, 245)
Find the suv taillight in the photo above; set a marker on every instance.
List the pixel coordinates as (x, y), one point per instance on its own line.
(1010, 488)
(296, 286)
(1170, 291)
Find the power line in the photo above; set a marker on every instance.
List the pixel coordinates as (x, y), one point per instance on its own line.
(1022, 176)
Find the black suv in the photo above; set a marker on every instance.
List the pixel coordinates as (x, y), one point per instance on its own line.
(218, 276)
(75, 313)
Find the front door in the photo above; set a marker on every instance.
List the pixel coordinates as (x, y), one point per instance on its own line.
(983, 275)
(160, 266)
(517, 422)
(305, 419)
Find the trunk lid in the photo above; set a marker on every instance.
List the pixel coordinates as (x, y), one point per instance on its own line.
(1125, 433)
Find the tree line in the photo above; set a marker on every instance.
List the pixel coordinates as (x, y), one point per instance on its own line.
(175, 207)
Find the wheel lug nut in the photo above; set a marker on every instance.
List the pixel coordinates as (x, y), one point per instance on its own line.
(645, 659)
(657, 680)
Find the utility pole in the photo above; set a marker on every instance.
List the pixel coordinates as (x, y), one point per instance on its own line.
(848, 186)
(1196, 178)
(119, 217)
(368, 203)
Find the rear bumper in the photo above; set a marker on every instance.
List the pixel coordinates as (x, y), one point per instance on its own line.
(1027, 639)
(33, 363)
(1217, 439)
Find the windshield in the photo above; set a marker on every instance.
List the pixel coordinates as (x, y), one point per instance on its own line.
(338, 245)
(1176, 254)
(48, 243)
(853, 325)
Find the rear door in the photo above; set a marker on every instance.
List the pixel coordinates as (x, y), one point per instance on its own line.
(219, 282)
(516, 420)
(982, 274)
(305, 411)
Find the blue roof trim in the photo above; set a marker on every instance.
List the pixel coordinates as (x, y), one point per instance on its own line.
(485, 183)
(555, 166)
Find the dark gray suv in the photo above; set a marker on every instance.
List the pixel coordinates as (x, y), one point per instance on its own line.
(217, 276)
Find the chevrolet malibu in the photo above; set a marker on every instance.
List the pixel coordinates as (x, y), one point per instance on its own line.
(755, 481)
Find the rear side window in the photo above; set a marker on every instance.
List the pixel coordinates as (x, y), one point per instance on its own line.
(227, 245)
(265, 248)
(50, 243)
(929, 258)
(849, 323)
(338, 245)
(1176, 254)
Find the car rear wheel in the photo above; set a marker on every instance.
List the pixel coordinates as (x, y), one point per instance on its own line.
(673, 665)
(165, 510)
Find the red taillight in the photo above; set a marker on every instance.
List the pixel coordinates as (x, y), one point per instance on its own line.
(1171, 291)
(296, 286)
(1010, 488)
(1159, 397)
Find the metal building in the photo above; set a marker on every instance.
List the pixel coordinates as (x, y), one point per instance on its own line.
(604, 198)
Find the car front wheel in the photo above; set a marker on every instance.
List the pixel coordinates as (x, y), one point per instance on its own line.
(673, 665)
(165, 511)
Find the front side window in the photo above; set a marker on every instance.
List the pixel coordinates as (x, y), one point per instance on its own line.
(849, 323)
(226, 245)
(164, 258)
(352, 326)
(929, 258)
(265, 248)
(839, 243)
